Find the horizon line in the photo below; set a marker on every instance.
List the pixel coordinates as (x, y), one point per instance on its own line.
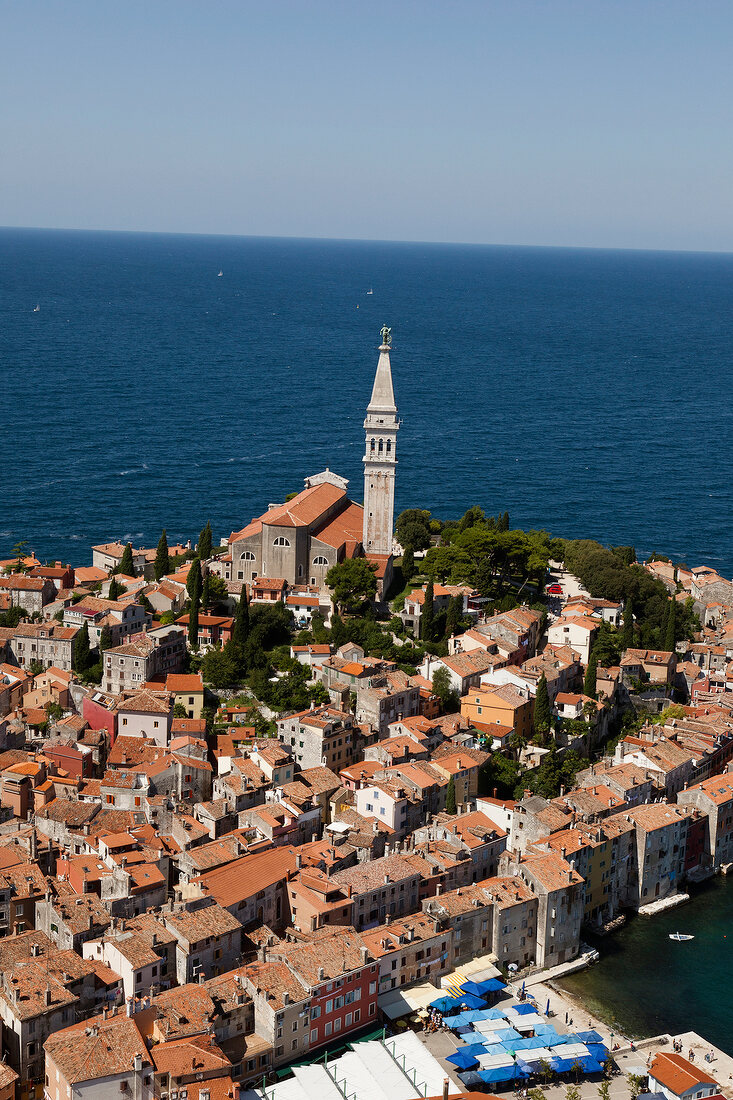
(363, 240)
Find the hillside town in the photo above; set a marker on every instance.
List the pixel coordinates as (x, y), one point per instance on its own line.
(263, 796)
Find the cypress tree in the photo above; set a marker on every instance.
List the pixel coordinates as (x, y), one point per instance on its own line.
(204, 547)
(670, 637)
(503, 524)
(450, 797)
(162, 563)
(205, 593)
(241, 619)
(115, 589)
(542, 711)
(193, 623)
(589, 685)
(126, 566)
(82, 658)
(408, 564)
(427, 619)
(452, 619)
(105, 639)
(193, 580)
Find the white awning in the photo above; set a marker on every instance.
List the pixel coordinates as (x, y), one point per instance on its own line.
(400, 1002)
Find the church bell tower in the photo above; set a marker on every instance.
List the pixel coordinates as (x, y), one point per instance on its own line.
(380, 457)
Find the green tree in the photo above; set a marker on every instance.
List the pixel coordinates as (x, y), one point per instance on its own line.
(604, 1090)
(82, 658)
(203, 550)
(627, 633)
(636, 1084)
(20, 550)
(352, 582)
(408, 565)
(546, 1071)
(503, 522)
(179, 711)
(670, 637)
(105, 639)
(413, 529)
(241, 619)
(450, 797)
(115, 589)
(193, 580)
(449, 698)
(454, 616)
(572, 1092)
(427, 619)
(591, 673)
(542, 711)
(162, 563)
(219, 667)
(205, 590)
(126, 566)
(193, 622)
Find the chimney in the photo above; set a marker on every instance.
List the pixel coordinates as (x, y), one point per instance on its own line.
(286, 998)
(298, 860)
(321, 973)
(48, 995)
(364, 955)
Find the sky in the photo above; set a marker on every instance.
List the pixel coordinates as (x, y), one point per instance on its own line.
(539, 122)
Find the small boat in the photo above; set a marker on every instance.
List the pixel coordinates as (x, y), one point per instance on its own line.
(679, 937)
(370, 291)
(220, 275)
(36, 309)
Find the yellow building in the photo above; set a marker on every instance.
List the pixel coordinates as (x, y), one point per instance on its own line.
(503, 705)
(188, 692)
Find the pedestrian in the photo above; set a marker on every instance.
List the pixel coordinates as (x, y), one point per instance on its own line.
(566, 1017)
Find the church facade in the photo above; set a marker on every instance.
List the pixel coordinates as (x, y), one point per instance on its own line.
(301, 539)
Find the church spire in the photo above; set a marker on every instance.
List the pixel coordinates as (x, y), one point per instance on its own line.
(382, 391)
(380, 456)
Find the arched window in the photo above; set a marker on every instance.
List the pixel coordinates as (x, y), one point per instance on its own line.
(381, 446)
(320, 560)
(371, 445)
(280, 541)
(247, 556)
(389, 446)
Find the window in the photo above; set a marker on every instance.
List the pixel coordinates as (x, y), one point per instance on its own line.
(294, 1044)
(329, 1006)
(357, 1016)
(314, 1035)
(348, 1019)
(320, 560)
(337, 1024)
(295, 1025)
(328, 1029)
(281, 541)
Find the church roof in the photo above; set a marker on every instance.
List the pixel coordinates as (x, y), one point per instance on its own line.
(344, 529)
(303, 510)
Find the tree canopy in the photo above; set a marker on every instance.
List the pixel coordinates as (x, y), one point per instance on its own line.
(352, 582)
(413, 529)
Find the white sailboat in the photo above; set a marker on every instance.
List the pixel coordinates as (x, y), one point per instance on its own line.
(36, 309)
(220, 275)
(680, 937)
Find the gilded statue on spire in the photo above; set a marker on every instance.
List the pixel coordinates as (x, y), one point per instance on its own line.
(386, 334)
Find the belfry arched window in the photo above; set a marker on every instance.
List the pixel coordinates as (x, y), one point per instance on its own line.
(320, 560)
(281, 541)
(381, 446)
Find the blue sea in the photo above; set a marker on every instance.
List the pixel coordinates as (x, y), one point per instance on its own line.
(586, 392)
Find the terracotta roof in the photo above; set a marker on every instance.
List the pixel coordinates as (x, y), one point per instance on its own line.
(98, 1048)
(677, 1074)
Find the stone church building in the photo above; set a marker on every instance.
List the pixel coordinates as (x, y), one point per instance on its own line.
(300, 540)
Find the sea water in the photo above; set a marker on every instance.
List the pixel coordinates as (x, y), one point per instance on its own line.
(586, 392)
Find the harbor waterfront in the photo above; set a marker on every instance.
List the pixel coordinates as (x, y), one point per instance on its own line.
(645, 984)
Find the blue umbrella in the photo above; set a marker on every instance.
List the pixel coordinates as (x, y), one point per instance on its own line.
(462, 1060)
(525, 1009)
(480, 989)
(589, 1037)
